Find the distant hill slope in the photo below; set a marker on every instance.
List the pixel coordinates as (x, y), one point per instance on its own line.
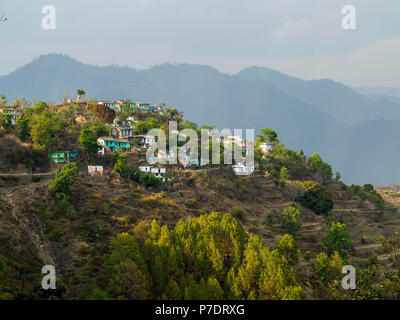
(336, 99)
(386, 91)
(385, 94)
(390, 187)
(317, 116)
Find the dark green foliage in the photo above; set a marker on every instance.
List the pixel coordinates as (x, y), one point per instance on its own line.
(128, 282)
(151, 181)
(283, 177)
(88, 141)
(338, 239)
(316, 197)
(268, 135)
(321, 167)
(5, 120)
(147, 178)
(64, 178)
(22, 129)
(143, 127)
(368, 187)
(368, 193)
(120, 166)
(55, 234)
(293, 160)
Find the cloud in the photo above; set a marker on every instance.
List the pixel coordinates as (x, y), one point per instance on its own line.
(293, 28)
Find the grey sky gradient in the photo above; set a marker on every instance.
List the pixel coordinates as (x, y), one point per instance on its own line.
(303, 38)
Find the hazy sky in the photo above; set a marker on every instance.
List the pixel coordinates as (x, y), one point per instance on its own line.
(302, 38)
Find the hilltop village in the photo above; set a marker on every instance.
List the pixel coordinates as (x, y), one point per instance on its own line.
(124, 124)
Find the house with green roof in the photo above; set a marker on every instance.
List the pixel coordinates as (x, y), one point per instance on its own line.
(61, 157)
(113, 144)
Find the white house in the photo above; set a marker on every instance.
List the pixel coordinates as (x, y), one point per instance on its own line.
(266, 147)
(146, 140)
(95, 170)
(157, 172)
(146, 169)
(122, 132)
(243, 170)
(235, 139)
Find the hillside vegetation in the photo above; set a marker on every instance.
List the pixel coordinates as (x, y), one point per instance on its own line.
(284, 232)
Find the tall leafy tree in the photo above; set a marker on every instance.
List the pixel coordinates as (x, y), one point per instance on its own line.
(268, 135)
(81, 93)
(88, 141)
(46, 131)
(316, 197)
(63, 180)
(321, 167)
(5, 120)
(129, 282)
(338, 239)
(290, 219)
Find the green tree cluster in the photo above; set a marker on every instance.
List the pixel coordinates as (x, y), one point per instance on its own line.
(120, 167)
(147, 178)
(46, 130)
(290, 220)
(144, 126)
(209, 257)
(316, 197)
(63, 180)
(367, 192)
(321, 167)
(283, 177)
(268, 135)
(338, 240)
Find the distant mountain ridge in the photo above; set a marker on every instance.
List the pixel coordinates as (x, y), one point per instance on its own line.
(318, 116)
(380, 93)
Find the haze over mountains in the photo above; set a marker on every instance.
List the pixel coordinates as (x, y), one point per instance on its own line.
(356, 130)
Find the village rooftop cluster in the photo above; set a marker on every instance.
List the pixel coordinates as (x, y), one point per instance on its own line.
(122, 138)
